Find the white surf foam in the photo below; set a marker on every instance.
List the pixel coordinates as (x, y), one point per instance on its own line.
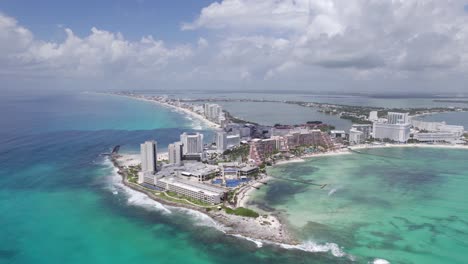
(380, 261)
(133, 197)
(201, 219)
(259, 243)
(308, 246)
(311, 246)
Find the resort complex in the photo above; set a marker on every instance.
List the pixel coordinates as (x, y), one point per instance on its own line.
(214, 170)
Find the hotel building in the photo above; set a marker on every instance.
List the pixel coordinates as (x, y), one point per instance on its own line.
(221, 141)
(366, 130)
(192, 143)
(356, 136)
(148, 152)
(202, 192)
(397, 128)
(175, 153)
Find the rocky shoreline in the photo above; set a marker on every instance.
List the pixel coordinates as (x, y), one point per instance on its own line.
(266, 228)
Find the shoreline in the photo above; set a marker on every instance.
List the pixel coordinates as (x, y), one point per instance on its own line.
(188, 112)
(265, 228)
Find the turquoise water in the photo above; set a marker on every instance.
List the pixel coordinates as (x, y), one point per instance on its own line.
(404, 205)
(60, 201)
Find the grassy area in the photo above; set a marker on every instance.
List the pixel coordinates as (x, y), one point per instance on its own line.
(241, 211)
(132, 174)
(173, 195)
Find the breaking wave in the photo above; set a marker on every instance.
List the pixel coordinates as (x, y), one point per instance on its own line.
(259, 243)
(201, 219)
(133, 197)
(311, 246)
(308, 246)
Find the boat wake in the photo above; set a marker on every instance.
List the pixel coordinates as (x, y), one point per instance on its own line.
(333, 191)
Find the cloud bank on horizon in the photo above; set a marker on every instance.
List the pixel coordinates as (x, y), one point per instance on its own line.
(360, 45)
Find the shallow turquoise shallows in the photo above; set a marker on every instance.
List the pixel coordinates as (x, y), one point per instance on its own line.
(404, 205)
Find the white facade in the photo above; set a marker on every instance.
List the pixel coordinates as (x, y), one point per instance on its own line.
(397, 118)
(199, 191)
(366, 130)
(425, 125)
(175, 153)
(221, 141)
(233, 140)
(356, 136)
(436, 137)
(337, 133)
(148, 152)
(193, 144)
(396, 132)
(373, 116)
(457, 130)
(213, 112)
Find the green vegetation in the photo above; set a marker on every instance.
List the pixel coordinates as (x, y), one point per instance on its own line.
(132, 173)
(355, 120)
(170, 194)
(231, 194)
(241, 151)
(241, 211)
(237, 120)
(465, 135)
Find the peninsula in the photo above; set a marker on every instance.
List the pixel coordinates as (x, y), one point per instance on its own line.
(217, 178)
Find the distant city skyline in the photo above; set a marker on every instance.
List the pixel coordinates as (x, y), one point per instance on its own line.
(379, 47)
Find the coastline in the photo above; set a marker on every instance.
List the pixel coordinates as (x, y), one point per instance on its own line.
(188, 112)
(265, 228)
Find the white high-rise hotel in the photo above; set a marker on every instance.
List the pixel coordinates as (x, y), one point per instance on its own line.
(221, 141)
(397, 127)
(193, 143)
(213, 112)
(175, 153)
(148, 159)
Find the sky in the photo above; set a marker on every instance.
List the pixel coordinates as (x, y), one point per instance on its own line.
(379, 46)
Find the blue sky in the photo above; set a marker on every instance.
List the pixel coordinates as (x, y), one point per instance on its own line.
(352, 46)
(133, 18)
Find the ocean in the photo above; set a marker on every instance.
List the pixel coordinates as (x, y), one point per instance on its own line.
(61, 202)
